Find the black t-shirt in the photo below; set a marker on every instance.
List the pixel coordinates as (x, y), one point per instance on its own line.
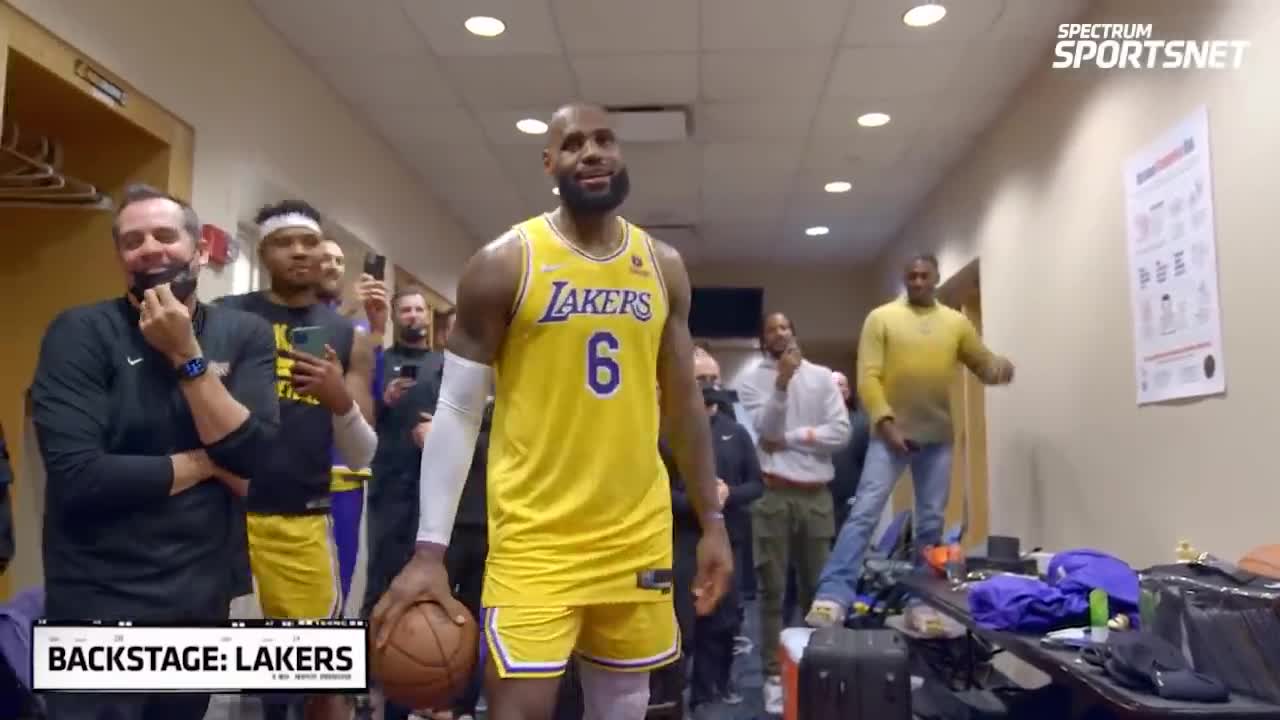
(300, 466)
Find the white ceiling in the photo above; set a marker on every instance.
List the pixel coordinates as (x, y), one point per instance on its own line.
(774, 87)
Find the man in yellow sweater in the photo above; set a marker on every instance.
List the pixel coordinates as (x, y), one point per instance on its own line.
(907, 360)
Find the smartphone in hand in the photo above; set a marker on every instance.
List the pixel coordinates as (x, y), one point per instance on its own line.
(310, 340)
(375, 266)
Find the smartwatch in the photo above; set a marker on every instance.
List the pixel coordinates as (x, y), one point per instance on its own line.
(192, 369)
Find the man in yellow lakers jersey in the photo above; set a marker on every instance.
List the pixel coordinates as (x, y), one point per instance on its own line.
(577, 312)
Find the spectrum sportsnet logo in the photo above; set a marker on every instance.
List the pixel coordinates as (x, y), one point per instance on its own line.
(1130, 47)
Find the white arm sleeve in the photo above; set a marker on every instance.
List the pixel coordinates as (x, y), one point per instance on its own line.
(449, 447)
(355, 440)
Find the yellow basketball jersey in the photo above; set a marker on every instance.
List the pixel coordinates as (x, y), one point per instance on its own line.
(579, 501)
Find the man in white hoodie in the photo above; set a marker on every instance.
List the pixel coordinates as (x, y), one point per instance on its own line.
(799, 415)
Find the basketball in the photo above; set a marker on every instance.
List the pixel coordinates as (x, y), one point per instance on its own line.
(428, 658)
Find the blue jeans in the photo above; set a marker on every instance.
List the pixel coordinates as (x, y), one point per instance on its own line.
(931, 476)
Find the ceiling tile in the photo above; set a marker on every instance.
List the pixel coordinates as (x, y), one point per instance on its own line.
(671, 168)
(838, 117)
(413, 127)
(522, 166)
(499, 126)
(466, 164)
(512, 83)
(530, 29)
(998, 69)
(721, 162)
(627, 26)
(620, 80)
(969, 112)
(743, 244)
(770, 24)
(388, 82)
(721, 159)
(1041, 19)
(737, 239)
(659, 206)
(718, 122)
(890, 72)
(935, 149)
(337, 28)
(721, 206)
(880, 23)
(874, 151)
(739, 75)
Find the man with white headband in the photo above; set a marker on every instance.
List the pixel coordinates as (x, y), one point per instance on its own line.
(322, 406)
(579, 312)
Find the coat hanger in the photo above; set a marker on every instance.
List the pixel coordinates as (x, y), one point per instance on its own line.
(31, 174)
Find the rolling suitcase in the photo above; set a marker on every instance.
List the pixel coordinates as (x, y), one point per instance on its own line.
(855, 675)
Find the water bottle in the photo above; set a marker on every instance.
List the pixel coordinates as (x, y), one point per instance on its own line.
(955, 564)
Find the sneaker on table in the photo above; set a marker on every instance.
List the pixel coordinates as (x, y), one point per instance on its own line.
(824, 614)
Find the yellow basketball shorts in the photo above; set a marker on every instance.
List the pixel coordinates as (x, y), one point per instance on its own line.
(537, 642)
(295, 565)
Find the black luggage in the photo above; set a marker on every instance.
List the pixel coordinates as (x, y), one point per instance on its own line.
(855, 675)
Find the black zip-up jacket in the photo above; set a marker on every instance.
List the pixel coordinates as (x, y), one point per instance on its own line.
(429, 364)
(108, 413)
(739, 467)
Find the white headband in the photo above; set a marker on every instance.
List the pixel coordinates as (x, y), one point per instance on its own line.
(288, 220)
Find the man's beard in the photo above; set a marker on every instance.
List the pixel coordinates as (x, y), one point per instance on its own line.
(583, 202)
(288, 286)
(328, 293)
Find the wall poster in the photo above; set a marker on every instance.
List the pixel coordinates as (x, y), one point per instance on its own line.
(1173, 265)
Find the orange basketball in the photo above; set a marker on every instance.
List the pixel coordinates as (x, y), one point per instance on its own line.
(428, 658)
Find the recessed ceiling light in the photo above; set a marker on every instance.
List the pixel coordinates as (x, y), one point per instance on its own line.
(530, 126)
(555, 191)
(924, 15)
(839, 186)
(817, 230)
(873, 119)
(485, 26)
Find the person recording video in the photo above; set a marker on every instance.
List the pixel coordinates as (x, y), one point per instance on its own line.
(322, 383)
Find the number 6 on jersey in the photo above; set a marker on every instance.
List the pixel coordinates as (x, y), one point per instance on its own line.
(603, 374)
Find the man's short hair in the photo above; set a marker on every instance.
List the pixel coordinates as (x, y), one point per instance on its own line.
(286, 207)
(702, 345)
(405, 292)
(764, 322)
(925, 258)
(140, 193)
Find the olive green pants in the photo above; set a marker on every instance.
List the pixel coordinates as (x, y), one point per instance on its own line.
(788, 525)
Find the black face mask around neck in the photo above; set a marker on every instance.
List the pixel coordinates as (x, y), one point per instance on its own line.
(182, 282)
(413, 334)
